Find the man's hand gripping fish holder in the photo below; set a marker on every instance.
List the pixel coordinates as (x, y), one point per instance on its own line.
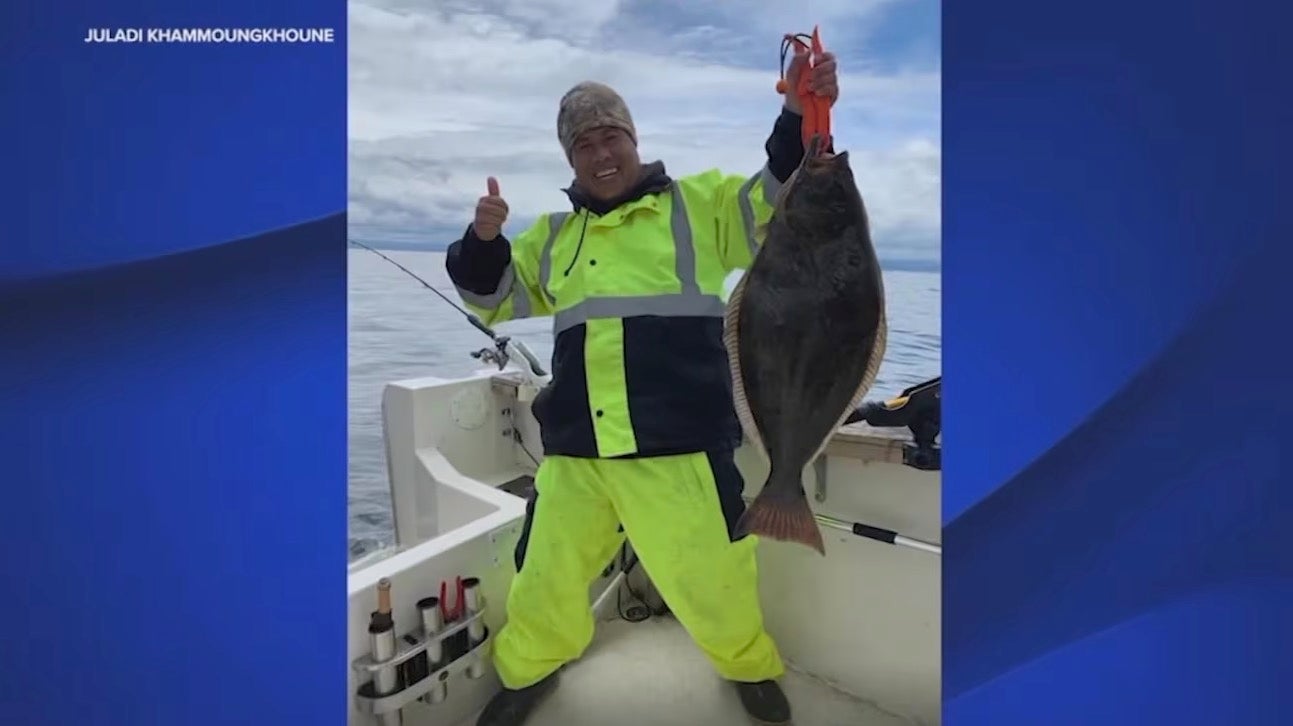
(817, 109)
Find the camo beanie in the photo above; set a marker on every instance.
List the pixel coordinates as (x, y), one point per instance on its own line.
(590, 105)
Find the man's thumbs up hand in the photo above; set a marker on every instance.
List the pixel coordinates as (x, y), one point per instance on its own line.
(491, 212)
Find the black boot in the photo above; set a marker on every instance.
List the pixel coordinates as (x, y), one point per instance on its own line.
(510, 708)
(765, 702)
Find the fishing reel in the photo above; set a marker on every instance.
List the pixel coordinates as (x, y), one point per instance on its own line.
(499, 355)
(918, 408)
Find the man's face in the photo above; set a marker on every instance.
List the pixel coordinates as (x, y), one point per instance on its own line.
(606, 162)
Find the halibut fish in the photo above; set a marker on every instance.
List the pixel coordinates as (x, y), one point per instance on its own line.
(805, 332)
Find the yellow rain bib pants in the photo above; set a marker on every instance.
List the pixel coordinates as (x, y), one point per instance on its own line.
(671, 511)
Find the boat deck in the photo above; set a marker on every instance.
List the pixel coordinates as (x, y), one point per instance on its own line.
(651, 674)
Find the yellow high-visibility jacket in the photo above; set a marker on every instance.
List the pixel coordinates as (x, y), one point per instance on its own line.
(635, 292)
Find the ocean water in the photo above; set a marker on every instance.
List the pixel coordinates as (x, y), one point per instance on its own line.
(399, 329)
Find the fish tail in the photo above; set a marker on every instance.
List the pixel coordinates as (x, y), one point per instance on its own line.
(781, 512)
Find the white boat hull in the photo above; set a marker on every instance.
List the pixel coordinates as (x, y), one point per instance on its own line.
(860, 628)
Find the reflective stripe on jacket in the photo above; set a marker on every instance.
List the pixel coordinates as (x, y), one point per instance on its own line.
(636, 299)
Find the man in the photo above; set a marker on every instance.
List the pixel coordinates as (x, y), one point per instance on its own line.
(638, 425)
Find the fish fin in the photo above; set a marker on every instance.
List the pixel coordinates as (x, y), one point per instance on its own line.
(872, 366)
(877, 358)
(731, 340)
(781, 512)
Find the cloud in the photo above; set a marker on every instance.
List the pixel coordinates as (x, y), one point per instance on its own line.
(443, 94)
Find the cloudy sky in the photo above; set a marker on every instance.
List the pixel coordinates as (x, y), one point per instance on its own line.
(444, 93)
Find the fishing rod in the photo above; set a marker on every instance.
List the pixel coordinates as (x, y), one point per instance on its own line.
(501, 342)
(475, 321)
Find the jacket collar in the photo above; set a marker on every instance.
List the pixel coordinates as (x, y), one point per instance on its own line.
(653, 180)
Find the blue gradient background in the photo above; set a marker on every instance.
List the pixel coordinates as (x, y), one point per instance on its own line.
(173, 368)
(1119, 543)
(1117, 498)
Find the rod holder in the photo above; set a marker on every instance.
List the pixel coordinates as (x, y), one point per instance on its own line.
(382, 644)
(433, 658)
(434, 682)
(475, 626)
